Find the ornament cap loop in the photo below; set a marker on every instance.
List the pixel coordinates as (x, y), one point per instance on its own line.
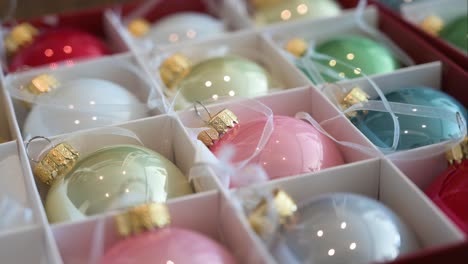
(174, 69)
(458, 153)
(284, 209)
(297, 47)
(139, 27)
(432, 24)
(142, 218)
(20, 36)
(43, 83)
(58, 161)
(355, 96)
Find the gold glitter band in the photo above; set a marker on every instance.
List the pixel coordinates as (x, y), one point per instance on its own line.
(297, 47)
(208, 136)
(57, 162)
(284, 210)
(142, 218)
(355, 96)
(432, 24)
(223, 121)
(43, 83)
(458, 153)
(174, 69)
(20, 36)
(139, 27)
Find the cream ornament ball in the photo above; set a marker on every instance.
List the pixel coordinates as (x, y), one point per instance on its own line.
(179, 27)
(81, 104)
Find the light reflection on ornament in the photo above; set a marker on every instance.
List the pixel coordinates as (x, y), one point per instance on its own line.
(302, 9)
(48, 52)
(285, 14)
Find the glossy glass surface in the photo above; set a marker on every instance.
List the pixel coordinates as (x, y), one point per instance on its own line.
(168, 246)
(72, 107)
(287, 10)
(456, 33)
(58, 45)
(224, 76)
(449, 191)
(295, 147)
(114, 177)
(345, 228)
(362, 54)
(184, 26)
(414, 131)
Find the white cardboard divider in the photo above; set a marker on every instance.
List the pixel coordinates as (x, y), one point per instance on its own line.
(6, 133)
(380, 180)
(447, 10)
(27, 246)
(247, 44)
(212, 217)
(13, 186)
(121, 69)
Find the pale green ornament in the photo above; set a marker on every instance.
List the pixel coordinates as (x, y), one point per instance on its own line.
(112, 178)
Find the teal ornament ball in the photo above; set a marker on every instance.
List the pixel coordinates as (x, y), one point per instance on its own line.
(361, 54)
(415, 131)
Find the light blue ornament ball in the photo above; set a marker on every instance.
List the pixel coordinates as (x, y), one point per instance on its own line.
(414, 131)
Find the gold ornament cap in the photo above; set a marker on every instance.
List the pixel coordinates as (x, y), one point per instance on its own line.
(355, 96)
(208, 136)
(458, 153)
(297, 47)
(432, 24)
(139, 27)
(142, 218)
(57, 162)
(284, 209)
(20, 36)
(43, 83)
(174, 69)
(223, 121)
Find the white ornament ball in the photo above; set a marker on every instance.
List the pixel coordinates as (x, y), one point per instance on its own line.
(184, 26)
(82, 104)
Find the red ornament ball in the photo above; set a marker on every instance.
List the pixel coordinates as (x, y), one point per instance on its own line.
(58, 45)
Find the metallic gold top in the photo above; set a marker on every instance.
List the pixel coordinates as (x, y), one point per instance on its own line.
(223, 121)
(458, 153)
(20, 36)
(57, 162)
(142, 218)
(208, 136)
(432, 24)
(259, 4)
(174, 69)
(297, 47)
(284, 208)
(139, 27)
(355, 96)
(43, 83)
